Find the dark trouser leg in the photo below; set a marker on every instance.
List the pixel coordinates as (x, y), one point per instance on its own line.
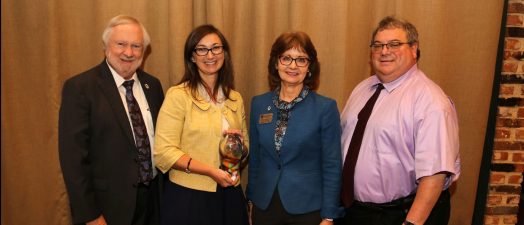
(361, 215)
(143, 208)
(275, 214)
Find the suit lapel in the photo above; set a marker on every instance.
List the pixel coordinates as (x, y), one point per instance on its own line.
(145, 82)
(270, 128)
(108, 86)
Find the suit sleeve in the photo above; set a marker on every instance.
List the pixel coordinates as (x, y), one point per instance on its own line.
(254, 159)
(73, 147)
(331, 162)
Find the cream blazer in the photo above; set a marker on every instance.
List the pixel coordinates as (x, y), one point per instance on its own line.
(188, 126)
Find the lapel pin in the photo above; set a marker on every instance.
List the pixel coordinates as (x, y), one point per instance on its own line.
(147, 86)
(268, 108)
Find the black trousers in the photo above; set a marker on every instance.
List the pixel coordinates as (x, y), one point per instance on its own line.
(394, 213)
(275, 214)
(147, 209)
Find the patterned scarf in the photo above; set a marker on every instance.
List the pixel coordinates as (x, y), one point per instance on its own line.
(284, 114)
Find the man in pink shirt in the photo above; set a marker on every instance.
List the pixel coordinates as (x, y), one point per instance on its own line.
(409, 151)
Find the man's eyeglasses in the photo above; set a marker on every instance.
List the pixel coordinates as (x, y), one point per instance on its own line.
(287, 60)
(216, 50)
(392, 46)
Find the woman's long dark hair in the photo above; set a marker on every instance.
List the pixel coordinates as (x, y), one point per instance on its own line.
(225, 78)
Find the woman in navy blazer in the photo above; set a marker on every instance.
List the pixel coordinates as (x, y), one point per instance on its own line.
(295, 163)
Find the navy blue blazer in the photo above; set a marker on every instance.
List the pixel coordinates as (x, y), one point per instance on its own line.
(308, 171)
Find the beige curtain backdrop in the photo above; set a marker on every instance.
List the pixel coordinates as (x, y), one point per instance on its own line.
(46, 42)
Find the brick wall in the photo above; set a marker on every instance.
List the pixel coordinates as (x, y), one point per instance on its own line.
(507, 166)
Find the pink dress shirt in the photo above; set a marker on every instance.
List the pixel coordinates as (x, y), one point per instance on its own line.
(411, 133)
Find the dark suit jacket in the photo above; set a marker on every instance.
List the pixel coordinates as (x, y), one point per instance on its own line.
(307, 173)
(96, 146)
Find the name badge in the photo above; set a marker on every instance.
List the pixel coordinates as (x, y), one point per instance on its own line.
(265, 118)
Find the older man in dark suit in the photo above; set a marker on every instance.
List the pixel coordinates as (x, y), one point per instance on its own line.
(106, 130)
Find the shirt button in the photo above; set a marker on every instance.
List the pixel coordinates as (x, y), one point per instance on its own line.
(279, 167)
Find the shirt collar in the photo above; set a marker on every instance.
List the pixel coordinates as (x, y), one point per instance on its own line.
(205, 96)
(119, 80)
(389, 87)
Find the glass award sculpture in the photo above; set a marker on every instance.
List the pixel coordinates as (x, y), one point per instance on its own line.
(231, 152)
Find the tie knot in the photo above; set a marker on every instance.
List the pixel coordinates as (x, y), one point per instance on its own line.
(380, 86)
(128, 84)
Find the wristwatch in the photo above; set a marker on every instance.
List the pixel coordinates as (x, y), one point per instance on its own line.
(408, 223)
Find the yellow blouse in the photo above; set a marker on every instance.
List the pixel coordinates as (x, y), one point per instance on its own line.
(189, 126)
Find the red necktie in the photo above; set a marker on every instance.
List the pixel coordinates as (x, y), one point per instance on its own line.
(348, 174)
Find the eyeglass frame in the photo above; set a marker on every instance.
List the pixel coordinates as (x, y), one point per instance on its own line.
(388, 45)
(294, 59)
(221, 47)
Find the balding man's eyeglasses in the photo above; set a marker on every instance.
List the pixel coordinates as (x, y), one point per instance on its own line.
(392, 46)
